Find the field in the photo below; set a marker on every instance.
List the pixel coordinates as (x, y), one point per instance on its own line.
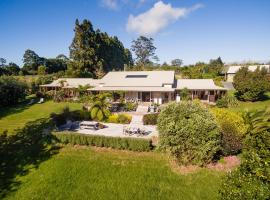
(16, 117)
(90, 173)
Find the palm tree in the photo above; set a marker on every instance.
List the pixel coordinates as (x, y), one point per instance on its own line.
(82, 89)
(258, 121)
(100, 107)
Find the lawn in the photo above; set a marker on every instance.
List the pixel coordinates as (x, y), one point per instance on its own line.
(16, 117)
(249, 106)
(90, 173)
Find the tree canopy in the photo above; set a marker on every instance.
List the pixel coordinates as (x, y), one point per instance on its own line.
(144, 50)
(94, 52)
(251, 86)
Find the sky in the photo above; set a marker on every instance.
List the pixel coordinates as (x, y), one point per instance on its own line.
(192, 30)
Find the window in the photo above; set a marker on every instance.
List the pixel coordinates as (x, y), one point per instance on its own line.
(136, 76)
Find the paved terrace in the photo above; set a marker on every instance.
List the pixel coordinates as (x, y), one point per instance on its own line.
(116, 130)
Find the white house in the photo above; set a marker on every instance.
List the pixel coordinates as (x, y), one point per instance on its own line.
(144, 86)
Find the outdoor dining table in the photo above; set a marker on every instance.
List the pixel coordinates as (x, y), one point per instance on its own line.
(130, 130)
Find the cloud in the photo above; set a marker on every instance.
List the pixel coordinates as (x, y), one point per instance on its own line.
(110, 4)
(157, 18)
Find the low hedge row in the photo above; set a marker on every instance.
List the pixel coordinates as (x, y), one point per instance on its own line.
(133, 144)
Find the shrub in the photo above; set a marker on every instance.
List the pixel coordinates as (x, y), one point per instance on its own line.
(189, 132)
(59, 96)
(12, 91)
(252, 179)
(251, 86)
(184, 94)
(232, 129)
(119, 118)
(150, 119)
(133, 144)
(129, 106)
(227, 101)
(124, 119)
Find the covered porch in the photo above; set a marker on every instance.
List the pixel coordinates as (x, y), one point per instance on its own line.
(207, 96)
(149, 96)
(158, 95)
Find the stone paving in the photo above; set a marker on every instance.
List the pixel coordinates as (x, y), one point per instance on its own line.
(116, 130)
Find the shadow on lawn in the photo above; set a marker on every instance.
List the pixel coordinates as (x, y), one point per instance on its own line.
(5, 111)
(21, 152)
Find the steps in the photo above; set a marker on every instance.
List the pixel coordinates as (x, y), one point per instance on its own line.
(137, 120)
(142, 109)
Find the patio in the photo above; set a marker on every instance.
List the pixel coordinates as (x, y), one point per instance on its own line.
(116, 130)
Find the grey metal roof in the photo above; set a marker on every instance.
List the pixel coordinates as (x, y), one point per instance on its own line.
(73, 82)
(145, 89)
(138, 78)
(197, 84)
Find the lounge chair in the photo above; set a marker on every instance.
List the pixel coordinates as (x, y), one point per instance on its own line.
(41, 100)
(32, 101)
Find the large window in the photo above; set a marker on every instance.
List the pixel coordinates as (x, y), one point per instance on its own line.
(136, 76)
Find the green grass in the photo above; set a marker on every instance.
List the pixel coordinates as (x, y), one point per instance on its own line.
(16, 117)
(249, 106)
(86, 173)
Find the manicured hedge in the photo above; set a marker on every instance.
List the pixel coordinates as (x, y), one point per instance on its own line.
(133, 144)
(150, 119)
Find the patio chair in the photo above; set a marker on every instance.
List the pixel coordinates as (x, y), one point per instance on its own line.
(32, 101)
(41, 100)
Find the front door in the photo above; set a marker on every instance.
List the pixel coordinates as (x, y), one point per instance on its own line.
(146, 96)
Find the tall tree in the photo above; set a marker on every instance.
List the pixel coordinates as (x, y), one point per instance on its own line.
(215, 66)
(177, 62)
(32, 60)
(144, 50)
(94, 52)
(2, 62)
(82, 50)
(62, 57)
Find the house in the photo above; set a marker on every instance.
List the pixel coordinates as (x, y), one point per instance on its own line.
(145, 86)
(233, 69)
(69, 85)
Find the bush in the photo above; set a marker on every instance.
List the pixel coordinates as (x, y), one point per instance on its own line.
(119, 119)
(227, 101)
(189, 132)
(12, 91)
(252, 179)
(133, 144)
(251, 86)
(232, 129)
(129, 106)
(150, 119)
